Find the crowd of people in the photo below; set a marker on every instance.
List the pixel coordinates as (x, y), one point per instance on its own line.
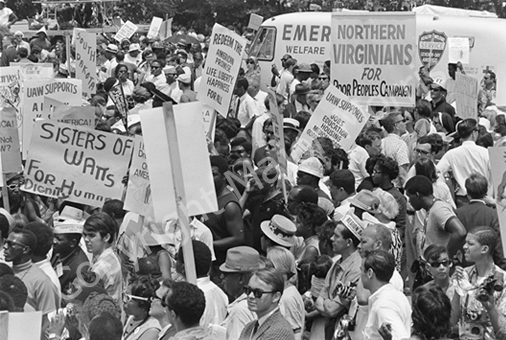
(332, 249)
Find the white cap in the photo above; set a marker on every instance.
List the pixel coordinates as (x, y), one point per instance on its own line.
(312, 166)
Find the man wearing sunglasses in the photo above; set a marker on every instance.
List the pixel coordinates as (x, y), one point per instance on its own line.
(438, 95)
(236, 272)
(42, 293)
(264, 292)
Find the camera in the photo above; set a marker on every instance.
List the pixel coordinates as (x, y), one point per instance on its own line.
(494, 283)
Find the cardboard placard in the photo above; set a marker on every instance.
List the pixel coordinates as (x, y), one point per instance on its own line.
(36, 71)
(9, 141)
(68, 91)
(126, 31)
(75, 115)
(16, 326)
(118, 98)
(336, 117)
(458, 50)
(191, 141)
(86, 61)
(154, 28)
(372, 57)
(10, 89)
(221, 69)
(138, 196)
(497, 157)
(255, 21)
(500, 98)
(466, 96)
(209, 117)
(82, 165)
(279, 139)
(165, 29)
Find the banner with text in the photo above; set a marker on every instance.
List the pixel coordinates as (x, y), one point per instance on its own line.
(9, 141)
(126, 31)
(279, 139)
(221, 69)
(466, 96)
(36, 71)
(154, 28)
(336, 117)
(10, 90)
(75, 115)
(67, 91)
(498, 166)
(138, 195)
(86, 61)
(82, 165)
(372, 58)
(165, 29)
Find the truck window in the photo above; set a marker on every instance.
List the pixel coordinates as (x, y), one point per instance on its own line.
(263, 46)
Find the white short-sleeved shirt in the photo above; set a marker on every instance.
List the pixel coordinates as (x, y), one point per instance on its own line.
(5, 13)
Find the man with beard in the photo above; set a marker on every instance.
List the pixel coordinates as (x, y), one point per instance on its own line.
(261, 200)
(226, 224)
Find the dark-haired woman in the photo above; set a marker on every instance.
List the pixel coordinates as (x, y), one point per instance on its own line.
(137, 303)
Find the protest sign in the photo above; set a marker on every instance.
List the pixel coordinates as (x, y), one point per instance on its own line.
(221, 68)
(165, 29)
(500, 98)
(86, 61)
(82, 165)
(458, 50)
(118, 98)
(138, 195)
(154, 28)
(10, 89)
(126, 31)
(9, 141)
(75, 115)
(13, 326)
(279, 139)
(336, 117)
(68, 91)
(209, 117)
(466, 96)
(497, 157)
(36, 71)
(255, 21)
(192, 145)
(372, 58)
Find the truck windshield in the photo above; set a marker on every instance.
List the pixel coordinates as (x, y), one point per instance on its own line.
(263, 46)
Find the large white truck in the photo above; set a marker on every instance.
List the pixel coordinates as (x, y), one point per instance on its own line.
(307, 38)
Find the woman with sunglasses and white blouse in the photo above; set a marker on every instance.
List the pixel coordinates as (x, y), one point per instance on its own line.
(136, 304)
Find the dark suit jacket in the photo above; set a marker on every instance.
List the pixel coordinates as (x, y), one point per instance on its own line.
(274, 328)
(477, 214)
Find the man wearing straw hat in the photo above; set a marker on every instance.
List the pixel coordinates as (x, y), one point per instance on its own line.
(279, 231)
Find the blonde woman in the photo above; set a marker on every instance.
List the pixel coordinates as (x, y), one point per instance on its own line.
(291, 304)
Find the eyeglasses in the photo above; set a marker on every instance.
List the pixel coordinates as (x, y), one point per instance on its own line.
(436, 89)
(11, 244)
(250, 62)
(258, 293)
(283, 59)
(156, 298)
(155, 67)
(128, 298)
(445, 263)
(323, 78)
(422, 152)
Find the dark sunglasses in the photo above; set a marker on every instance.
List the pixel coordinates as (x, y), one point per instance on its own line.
(445, 263)
(256, 292)
(436, 89)
(250, 62)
